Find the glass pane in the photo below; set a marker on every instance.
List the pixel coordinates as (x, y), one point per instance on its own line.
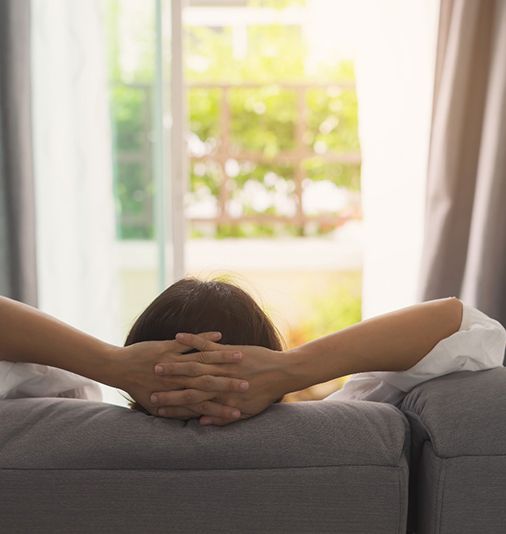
(136, 70)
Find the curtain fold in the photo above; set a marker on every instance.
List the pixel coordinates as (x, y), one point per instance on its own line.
(73, 166)
(18, 277)
(464, 252)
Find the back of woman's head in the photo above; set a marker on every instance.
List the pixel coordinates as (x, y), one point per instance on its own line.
(194, 306)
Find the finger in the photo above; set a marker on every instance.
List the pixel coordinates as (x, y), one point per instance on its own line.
(192, 368)
(172, 345)
(209, 383)
(206, 420)
(216, 357)
(213, 356)
(211, 336)
(206, 408)
(221, 421)
(180, 397)
(196, 342)
(215, 409)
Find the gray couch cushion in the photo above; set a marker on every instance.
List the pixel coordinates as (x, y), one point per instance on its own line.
(55, 433)
(77, 466)
(458, 452)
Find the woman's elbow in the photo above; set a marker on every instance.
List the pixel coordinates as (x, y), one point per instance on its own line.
(451, 310)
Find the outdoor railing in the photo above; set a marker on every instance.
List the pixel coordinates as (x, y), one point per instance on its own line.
(224, 150)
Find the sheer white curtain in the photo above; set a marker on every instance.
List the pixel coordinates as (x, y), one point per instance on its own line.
(395, 64)
(73, 166)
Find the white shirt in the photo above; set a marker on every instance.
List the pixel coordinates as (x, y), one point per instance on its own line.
(478, 344)
(19, 380)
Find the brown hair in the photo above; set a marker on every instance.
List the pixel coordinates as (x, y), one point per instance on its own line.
(192, 305)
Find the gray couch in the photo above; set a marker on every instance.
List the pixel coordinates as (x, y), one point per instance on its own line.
(69, 466)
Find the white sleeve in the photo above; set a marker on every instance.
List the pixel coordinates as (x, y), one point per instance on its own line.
(18, 380)
(479, 344)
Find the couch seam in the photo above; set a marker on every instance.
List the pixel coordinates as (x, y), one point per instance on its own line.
(396, 467)
(470, 456)
(406, 446)
(438, 504)
(443, 490)
(436, 501)
(400, 485)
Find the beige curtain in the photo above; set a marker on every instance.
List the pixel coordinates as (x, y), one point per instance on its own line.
(464, 252)
(18, 278)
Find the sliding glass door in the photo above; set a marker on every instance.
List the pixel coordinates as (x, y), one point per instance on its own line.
(145, 58)
(109, 158)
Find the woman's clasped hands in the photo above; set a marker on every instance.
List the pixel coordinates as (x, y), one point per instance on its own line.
(131, 369)
(222, 383)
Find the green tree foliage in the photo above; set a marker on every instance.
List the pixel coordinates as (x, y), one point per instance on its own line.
(262, 121)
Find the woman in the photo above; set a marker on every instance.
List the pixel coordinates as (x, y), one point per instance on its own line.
(222, 383)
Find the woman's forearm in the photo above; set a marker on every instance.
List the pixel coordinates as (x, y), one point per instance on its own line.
(392, 342)
(28, 335)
